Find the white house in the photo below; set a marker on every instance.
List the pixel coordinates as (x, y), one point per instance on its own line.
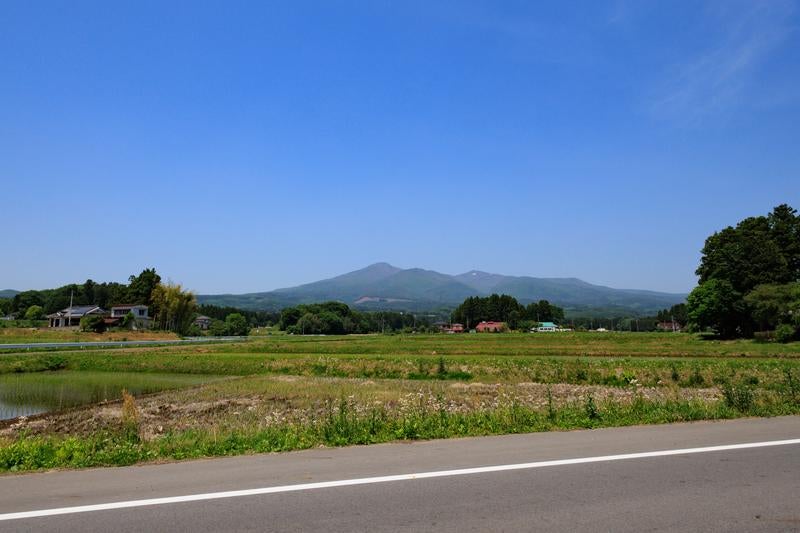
(139, 312)
(546, 326)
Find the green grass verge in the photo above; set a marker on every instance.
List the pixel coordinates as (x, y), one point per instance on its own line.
(343, 426)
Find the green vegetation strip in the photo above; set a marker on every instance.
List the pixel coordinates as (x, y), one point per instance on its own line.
(612, 371)
(343, 426)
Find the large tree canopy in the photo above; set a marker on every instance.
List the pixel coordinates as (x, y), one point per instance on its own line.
(747, 275)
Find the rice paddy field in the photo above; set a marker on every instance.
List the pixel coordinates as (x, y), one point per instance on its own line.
(280, 392)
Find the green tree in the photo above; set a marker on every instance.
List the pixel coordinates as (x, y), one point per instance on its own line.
(745, 256)
(140, 288)
(5, 306)
(715, 304)
(23, 300)
(309, 324)
(760, 251)
(677, 312)
(331, 323)
(496, 307)
(173, 308)
(34, 312)
(218, 328)
(772, 305)
(236, 324)
(784, 224)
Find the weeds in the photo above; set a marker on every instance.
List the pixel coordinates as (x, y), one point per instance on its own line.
(739, 397)
(551, 410)
(591, 408)
(696, 379)
(130, 416)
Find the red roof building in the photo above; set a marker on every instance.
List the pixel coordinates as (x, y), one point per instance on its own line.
(490, 327)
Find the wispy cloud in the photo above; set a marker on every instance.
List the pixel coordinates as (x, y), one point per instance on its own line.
(718, 79)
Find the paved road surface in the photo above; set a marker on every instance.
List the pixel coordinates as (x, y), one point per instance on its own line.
(747, 489)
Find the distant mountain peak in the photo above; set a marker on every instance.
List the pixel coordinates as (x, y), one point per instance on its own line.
(380, 264)
(384, 286)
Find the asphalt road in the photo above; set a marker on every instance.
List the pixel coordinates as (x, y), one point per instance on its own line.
(756, 488)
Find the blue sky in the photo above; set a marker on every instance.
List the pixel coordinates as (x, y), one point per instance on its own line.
(246, 146)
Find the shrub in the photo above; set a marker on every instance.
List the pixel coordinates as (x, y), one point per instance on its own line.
(784, 333)
(739, 397)
(54, 362)
(591, 408)
(236, 324)
(93, 323)
(218, 328)
(34, 312)
(128, 321)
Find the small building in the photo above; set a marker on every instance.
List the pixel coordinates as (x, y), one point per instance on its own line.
(453, 328)
(71, 316)
(141, 317)
(202, 322)
(669, 326)
(546, 327)
(490, 327)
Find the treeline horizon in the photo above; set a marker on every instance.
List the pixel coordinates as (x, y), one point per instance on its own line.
(473, 310)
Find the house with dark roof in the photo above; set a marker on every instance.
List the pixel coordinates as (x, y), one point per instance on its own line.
(71, 316)
(202, 322)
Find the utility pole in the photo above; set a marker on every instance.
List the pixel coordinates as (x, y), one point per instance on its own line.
(69, 310)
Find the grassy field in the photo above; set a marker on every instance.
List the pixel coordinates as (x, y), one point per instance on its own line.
(292, 392)
(36, 335)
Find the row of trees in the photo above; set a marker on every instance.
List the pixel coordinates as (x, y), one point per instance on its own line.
(750, 278)
(336, 318)
(254, 318)
(171, 307)
(233, 324)
(505, 308)
(138, 290)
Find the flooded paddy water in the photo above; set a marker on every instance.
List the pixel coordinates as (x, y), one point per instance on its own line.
(33, 393)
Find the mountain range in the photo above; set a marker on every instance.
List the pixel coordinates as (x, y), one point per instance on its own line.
(385, 287)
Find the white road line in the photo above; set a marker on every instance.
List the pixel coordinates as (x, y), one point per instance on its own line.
(384, 479)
